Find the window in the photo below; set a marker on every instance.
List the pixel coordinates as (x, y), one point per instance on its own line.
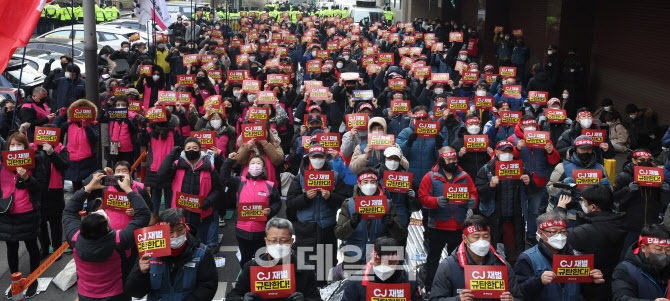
(63, 34)
(79, 35)
(105, 36)
(397, 4)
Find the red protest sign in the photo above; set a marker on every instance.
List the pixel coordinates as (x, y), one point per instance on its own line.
(167, 98)
(207, 138)
(470, 77)
(237, 76)
(192, 59)
(324, 120)
(512, 91)
(47, 135)
(397, 84)
(456, 193)
(20, 158)
(509, 118)
(277, 79)
(329, 140)
(490, 78)
(314, 66)
(538, 97)
(156, 114)
(259, 114)
(598, 136)
(154, 241)
(215, 74)
(388, 291)
(116, 91)
(266, 97)
(373, 69)
(484, 102)
(145, 70)
(367, 60)
(436, 47)
(186, 80)
(572, 268)
(498, 29)
(242, 59)
(440, 78)
(422, 72)
(320, 180)
(456, 37)
(318, 93)
(649, 176)
(135, 106)
(117, 201)
(476, 143)
(555, 116)
(400, 106)
(255, 131)
(371, 207)
(134, 37)
(276, 281)
(381, 141)
(251, 86)
(358, 121)
(509, 170)
(536, 139)
(396, 181)
(585, 177)
(426, 129)
(189, 202)
(486, 281)
(458, 104)
(507, 71)
(251, 211)
(83, 114)
(517, 32)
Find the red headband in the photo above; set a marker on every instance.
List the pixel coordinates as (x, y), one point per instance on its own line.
(473, 120)
(583, 113)
(584, 142)
(641, 154)
(448, 154)
(420, 115)
(529, 121)
(552, 223)
(317, 149)
(647, 240)
(472, 229)
(182, 222)
(368, 175)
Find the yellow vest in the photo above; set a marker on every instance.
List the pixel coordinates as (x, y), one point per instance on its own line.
(160, 60)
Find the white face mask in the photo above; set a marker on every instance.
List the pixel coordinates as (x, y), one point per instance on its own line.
(531, 128)
(313, 54)
(585, 123)
(252, 58)
(178, 242)
(278, 251)
(506, 157)
(346, 57)
(145, 50)
(535, 107)
(215, 123)
(557, 241)
(631, 116)
(549, 52)
(480, 247)
(481, 93)
(391, 165)
(125, 49)
(120, 106)
(584, 208)
(262, 41)
(251, 97)
(68, 75)
(383, 272)
(318, 102)
(105, 76)
(255, 169)
(439, 90)
(463, 57)
(565, 96)
(317, 163)
(236, 93)
(473, 129)
(16, 148)
(504, 82)
(217, 27)
(378, 132)
(368, 189)
(156, 77)
(339, 65)
(607, 109)
(177, 44)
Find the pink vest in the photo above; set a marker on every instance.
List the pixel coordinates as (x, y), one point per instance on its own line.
(205, 186)
(56, 178)
(160, 149)
(42, 111)
(21, 197)
(77, 142)
(270, 167)
(117, 219)
(254, 191)
(99, 279)
(146, 96)
(119, 132)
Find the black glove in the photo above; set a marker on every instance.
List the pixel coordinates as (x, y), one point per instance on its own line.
(411, 139)
(633, 186)
(387, 220)
(355, 219)
(251, 297)
(499, 79)
(176, 151)
(297, 296)
(438, 141)
(471, 203)
(155, 134)
(442, 201)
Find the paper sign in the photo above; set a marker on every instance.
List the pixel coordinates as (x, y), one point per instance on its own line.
(259, 114)
(358, 121)
(371, 207)
(388, 291)
(306, 142)
(215, 74)
(367, 60)
(470, 77)
(373, 69)
(145, 69)
(490, 78)
(116, 91)
(422, 72)
(251, 211)
(381, 141)
(484, 102)
(456, 37)
(498, 29)
(555, 116)
(251, 86)
(274, 80)
(406, 62)
(509, 118)
(415, 222)
(461, 66)
(517, 32)
(242, 59)
(400, 106)
(167, 98)
(536, 139)
(117, 114)
(456, 193)
(192, 59)
(329, 140)
(426, 129)
(189, 202)
(134, 37)
(237, 76)
(397, 84)
(207, 138)
(186, 80)
(486, 281)
(586, 177)
(649, 176)
(476, 143)
(572, 268)
(314, 66)
(135, 106)
(266, 97)
(184, 98)
(458, 104)
(117, 201)
(598, 136)
(509, 170)
(512, 91)
(255, 131)
(154, 241)
(208, 66)
(20, 158)
(363, 94)
(437, 47)
(47, 135)
(320, 180)
(395, 181)
(507, 71)
(318, 93)
(440, 78)
(538, 97)
(156, 114)
(83, 114)
(277, 281)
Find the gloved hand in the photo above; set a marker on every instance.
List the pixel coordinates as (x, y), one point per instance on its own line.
(569, 181)
(438, 141)
(175, 152)
(410, 140)
(355, 219)
(471, 203)
(251, 297)
(51, 61)
(542, 119)
(297, 296)
(410, 193)
(605, 181)
(62, 112)
(442, 201)
(664, 187)
(568, 121)
(633, 186)
(387, 220)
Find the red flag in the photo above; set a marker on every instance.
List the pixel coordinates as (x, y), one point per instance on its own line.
(17, 28)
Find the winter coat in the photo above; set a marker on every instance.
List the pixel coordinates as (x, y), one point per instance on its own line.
(560, 174)
(22, 222)
(160, 139)
(421, 155)
(568, 137)
(35, 114)
(540, 82)
(53, 201)
(649, 200)
(358, 161)
(82, 147)
(642, 126)
(355, 289)
(537, 160)
(635, 279)
(471, 162)
(450, 217)
(64, 90)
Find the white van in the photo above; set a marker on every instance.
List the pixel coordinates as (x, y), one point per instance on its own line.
(366, 9)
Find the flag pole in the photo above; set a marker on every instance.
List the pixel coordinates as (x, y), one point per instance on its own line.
(18, 89)
(154, 30)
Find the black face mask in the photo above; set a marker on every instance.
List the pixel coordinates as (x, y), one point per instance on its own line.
(349, 89)
(192, 154)
(451, 167)
(63, 65)
(314, 128)
(228, 110)
(645, 164)
(584, 157)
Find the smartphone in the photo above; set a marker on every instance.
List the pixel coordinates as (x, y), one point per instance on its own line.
(111, 180)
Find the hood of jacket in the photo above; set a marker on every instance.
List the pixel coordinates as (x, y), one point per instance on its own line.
(161, 81)
(96, 250)
(376, 120)
(81, 103)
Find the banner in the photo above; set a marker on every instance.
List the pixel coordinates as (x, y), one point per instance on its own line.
(470, 77)
(538, 97)
(167, 98)
(117, 201)
(259, 114)
(426, 129)
(509, 170)
(237, 76)
(439, 78)
(512, 91)
(486, 281)
(572, 268)
(251, 211)
(396, 181)
(456, 193)
(154, 240)
(47, 135)
(20, 158)
(207, 138)
(507, 71)
(266, 97)
(490, 78)
(318, 93)
(649, 176)
(357, 121)
(117, 91)
(273, 282)
(536, 139)
(381, 141)
(320, 180)
(145, 69)
(251, 86)
(83, 114)
(397, 84)
(145, 12)
(456, 37)
(586, 177)
(186, 80)
(457, 104)
(371, 207)
(135, 106)
(117, 114)
(476, 143)
(363, 95)
(255, 131)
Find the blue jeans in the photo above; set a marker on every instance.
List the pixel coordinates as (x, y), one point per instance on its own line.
(530, 208)
(156, 194)
(213, 235)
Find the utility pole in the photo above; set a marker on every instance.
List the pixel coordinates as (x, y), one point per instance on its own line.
(91, 52)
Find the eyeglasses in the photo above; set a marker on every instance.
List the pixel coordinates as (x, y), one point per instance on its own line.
(552, 233)
(282, 241)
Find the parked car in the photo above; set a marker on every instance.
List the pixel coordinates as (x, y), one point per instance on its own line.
(55, 45)
(9, 79)
(106, 35)
(39, 58)
(145, 30)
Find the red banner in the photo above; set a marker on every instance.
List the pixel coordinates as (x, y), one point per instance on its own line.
(470, 77)
(397, 84)
(586, 177)
(426, 129)
(318, 93)
(396, 181)
(47, 135)
(189, 202)
(320, 180)
(266, 97)
(509, 170)
(207, 138)
(186, 80)
(439, 78)
(507, 71)
(486, 281)
(536, 139)
(255, 131)
(381, 141)
(598, 136)
(490, 78)
(116, 91)
(538, 97)
(456, 193)
(649, 176)
(251, 86)
(555, 116)
(476, 143)
(358, 121)
(371, 207)
(251, 211)
(509, 118)
(237, 76)
(456, 37)
(117, 201)
(572, 268)
(167, 98)
(154, 241)
(83, 114)
(277, 281)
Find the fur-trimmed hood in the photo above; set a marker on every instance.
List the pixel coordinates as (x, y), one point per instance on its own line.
(81, 103)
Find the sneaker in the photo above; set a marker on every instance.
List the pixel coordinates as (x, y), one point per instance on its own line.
(31, 291)
(222, 222)
(9, 294)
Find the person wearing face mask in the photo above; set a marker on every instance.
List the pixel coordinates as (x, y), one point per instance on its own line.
(641, 124)
(504, 49)
(405, 202)
(315, 211)
(471, 161)
(359, 234)
(420, 152)
(123, 53)
(269, 149)
(533, 270)
(601, 227)
(555, 129)
(618, 133)
(494, 128)
(445, 215)
(355, 137)
(7, 111)
(516, 104)
(450, 125)
(500, 201)
(644, 273)
(190, 261)
(175, 58)
(35, 111)
(99, 250)
(384, 267)
(253, 188)
(364, 155)
(123, 134)
(225, 134)
(70, 86)
(606, 105)
(552, 63)
(584, 121)
(279, 244)
(474, 249)
(537, 161)
(150, 86)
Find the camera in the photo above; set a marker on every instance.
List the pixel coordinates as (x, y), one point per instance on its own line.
(571, 190)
